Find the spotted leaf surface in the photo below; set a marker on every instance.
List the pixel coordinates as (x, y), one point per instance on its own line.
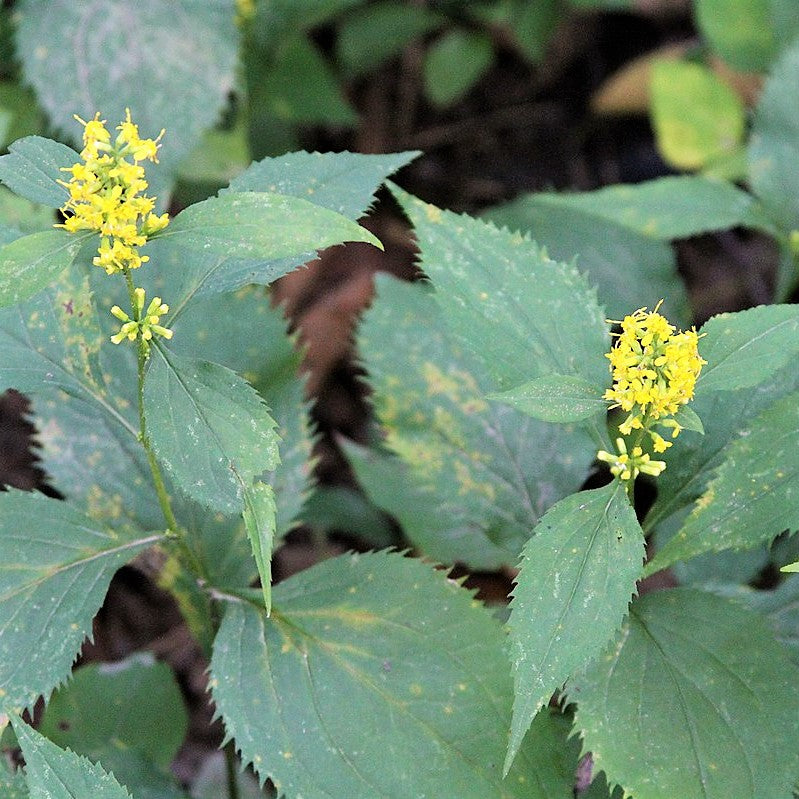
(172, 62)
(487, 471)
(715, 709)
(55, 773)
(55, 570)
(745, 348)
(575, 582)
(343, 183)
(209, 428)
(507, 302)
(403, 689)
(752, 498)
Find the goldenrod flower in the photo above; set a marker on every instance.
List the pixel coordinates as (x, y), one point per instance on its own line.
(105, 193)
(654, 372)
(144, 323)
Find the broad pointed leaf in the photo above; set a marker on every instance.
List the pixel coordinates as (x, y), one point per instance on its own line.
(576, 578)
(715, 708)
(520, 314)
(259, 521)
(55, 773)
(630, 268)
(752, 498)
(666, 208)
(55, 570)
(556, 398)
(174, 66)
(726, 416)
(391, 702)
(341, 182)
(209, 428)
(248, 224)
(33, 167)
(29, 264)
(744, 348)
(486, 471)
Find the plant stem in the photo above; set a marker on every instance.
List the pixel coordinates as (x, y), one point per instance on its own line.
(174, 530)
(231, 771)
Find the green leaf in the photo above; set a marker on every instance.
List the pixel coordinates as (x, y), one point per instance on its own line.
(344, 183)
(697, 117)
(33, 167)
(454, 63)
(371, 35)
(53, 773)
(779, 606)
(259, 520)
(576, 578)
(715, 706)
(740, 31)
(752, 497)
(774, 142)
(12, 785)
(555, 398)
(209, 428)
(664, 209)
(745, 348)
(173, 66)
(726, 416)
(246, 224)
(688, 419)
(481, 473)
(143, 710)
(29, 264)
(378, 636)
(511, 305)
(631, 269)
(56, 567)
(300, 87)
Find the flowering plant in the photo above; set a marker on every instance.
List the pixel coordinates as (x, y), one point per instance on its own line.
(518, 430)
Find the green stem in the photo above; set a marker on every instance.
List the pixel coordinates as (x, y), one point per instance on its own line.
(174, 530)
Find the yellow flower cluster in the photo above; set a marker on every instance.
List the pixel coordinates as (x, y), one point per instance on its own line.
(105, 193)
(654, 372)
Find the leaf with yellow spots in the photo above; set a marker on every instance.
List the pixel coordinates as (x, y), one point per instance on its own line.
(473, 477)
(377, 675)
(753, 497)
(520, 313)
(715, 707)
(56, 566)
